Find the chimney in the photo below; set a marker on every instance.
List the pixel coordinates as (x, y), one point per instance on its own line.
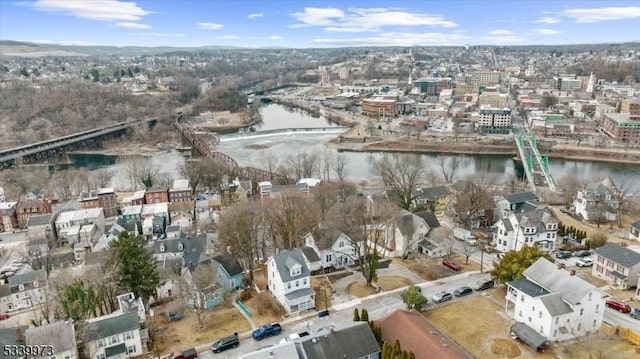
(19, 335)
(572, 272)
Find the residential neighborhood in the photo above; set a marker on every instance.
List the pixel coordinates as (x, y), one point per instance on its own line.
(351, 181)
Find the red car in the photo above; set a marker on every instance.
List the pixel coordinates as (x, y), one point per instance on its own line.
(4, 316)
(621, 307)
(451, 265)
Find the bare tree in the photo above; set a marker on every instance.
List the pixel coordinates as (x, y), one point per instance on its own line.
(339, 165)
(470, 203)
(622, 188)
(199, 286)
(325, 163)
(468, 250)
(400, 173)
(570, 185)
(449, 166)
(447, 243)
(238, 230)
(302, 165)
(328, 193)
(101, 178)
(192, 170)
(354, 218)
(132, 165)
(289, 217)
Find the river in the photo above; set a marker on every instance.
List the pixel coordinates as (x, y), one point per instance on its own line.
(252, 151)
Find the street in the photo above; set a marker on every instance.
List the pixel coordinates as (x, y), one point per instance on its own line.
(378, 307)
(614, 317)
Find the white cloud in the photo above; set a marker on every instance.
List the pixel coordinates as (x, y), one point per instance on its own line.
(255, 15)
(68, 43)
(603, 14)
(274, 37)
(365, 19)
(314, 16)
(547, 31)
(547, 20)
(101, 10)
(132, 25)
(501, 32)
(227, 37)
(209, 26)
(397, 39)
(158, 34)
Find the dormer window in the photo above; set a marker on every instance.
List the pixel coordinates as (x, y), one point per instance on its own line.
(162, 248)
(21, 287)
(35, 284)
(296, 270)
(180, 246)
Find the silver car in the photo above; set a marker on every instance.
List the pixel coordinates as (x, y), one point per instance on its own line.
(441, 296)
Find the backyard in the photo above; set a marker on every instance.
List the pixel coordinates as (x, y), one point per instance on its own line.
(185, 332)
(489, 336)
(432, 268)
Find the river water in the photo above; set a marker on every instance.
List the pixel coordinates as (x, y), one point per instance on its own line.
(252, 152)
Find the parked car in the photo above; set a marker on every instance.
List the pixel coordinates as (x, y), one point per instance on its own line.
(484, 285)
(184, 354)
(4, 316)
(441, 296)
(462, 291)
(266, 330)
(563, 255)
(582, 254)
(225, 343)
(621, 307)
(584, 262)
(451, 265)
(635, 314)
(323, 313)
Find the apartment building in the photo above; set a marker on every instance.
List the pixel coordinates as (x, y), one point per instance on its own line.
(622, 127)
(494, 120)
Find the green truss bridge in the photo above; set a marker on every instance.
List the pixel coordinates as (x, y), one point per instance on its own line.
(536, 165)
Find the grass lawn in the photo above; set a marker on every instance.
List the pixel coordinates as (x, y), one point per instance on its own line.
(588, 227)
(271, 314)
(185, 333)
(360, 289)
(487, 334)
(432, 268)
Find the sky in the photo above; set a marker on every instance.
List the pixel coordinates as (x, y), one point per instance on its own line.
(306, 24)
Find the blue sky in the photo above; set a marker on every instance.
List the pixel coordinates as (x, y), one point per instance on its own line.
(306, 24)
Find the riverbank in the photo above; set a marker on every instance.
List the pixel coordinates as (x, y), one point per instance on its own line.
(482, 146)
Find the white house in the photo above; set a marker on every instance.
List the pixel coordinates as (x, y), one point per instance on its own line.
(554, 302)
(618, 265)
(515, 202)
(537, 227)
(114, 337)
(40, 226)
(289, 281)
(597, 201)
(404, 235)
(57, 339)
(68, 224)
(23, 291)
(334, 248)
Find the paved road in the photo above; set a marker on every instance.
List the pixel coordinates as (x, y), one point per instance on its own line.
(378, 306)
(616, 318)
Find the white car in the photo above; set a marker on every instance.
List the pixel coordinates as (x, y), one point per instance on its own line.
(584, 262)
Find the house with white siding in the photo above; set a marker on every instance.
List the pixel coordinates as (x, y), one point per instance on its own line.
(114, 337)
(58, 337)
(537, 227)
(23, 291)
(289, 281)
(554, 302)
(334, 248)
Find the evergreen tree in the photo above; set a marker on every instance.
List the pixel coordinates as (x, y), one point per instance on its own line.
(135, 266)
(397, 350)
(356, 315)
(364, 315)
(515, 262)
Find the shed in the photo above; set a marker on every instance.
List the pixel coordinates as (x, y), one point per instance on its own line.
(528, 335)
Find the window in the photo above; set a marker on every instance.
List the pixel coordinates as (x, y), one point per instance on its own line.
(540, 314)
(101, 356)
(162, 248)
(67, 356)
(581, 311)
(100, 343)
(557, 319)
(180, 246)
(131, 349)
(20, 287)
(341, 244)
(597, 307)
(579, 326)
(289, 285)
(522, 297)
(114, 339)
(304, 281)
(520, 313)
(541, 329)
(128, 335)
(594, 323)
(297, 284)
(328, 259)
(35, 283)
(533, 309)
(529, 319)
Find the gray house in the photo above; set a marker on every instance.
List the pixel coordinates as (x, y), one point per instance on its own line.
(12, 336)
(618, 265)
(59, 337)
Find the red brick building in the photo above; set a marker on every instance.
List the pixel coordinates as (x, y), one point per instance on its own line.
(8, 216)
(31, 207)
(156, 195)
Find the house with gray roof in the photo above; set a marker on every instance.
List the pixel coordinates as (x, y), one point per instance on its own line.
(333, 247)
(618, 265)
(59, 338)
(40, 226)
(229, 271)
(634, 231)
(404, 234)
(554, 302)
(23, 291)
(513, 203)
(114, 336)
(177, 247)
(354, 340)
(290, 281)
(538, 227)
(432, 198)
(597, 201)
(12, 336)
